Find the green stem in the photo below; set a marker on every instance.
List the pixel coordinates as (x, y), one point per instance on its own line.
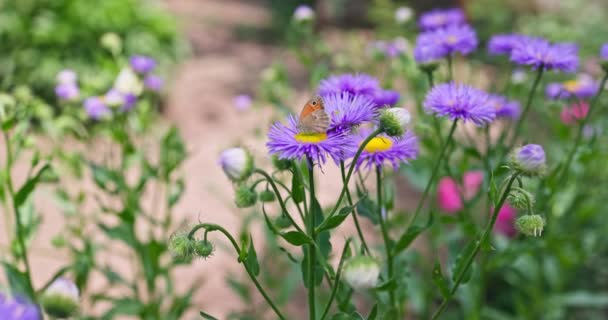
(450, 68)
(522, 118)
(337, 282)
(581, 128)
(351, 169)
(385, 236)
(279, 197)
(214, 227)
(435, 172)
(354, 214)
(310, 228)
(436, 124)
(478, 245)
(18, 223)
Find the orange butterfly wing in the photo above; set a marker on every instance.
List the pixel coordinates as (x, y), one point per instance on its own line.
(313, 118)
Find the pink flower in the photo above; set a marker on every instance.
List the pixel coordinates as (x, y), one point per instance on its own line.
(505, 221)
(450, 194)
(577, 111)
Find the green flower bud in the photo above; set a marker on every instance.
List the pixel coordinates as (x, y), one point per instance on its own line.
(282, 222)
(181, 246)
(361, 272)
(530, 225)
(267, 196)
(245, 197)
(281, 164)
(237, 164)
(394, 121)
(521, 199)
(204, 249)
(61, 299)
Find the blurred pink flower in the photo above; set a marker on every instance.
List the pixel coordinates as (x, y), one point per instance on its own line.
(505, 222)
(577, 111)
(449, 192)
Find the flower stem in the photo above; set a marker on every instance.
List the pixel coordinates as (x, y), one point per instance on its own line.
(478, 245)
(310, 229)
(581, 128)
(435, 172)
(279, 198)
(214, 227)
(522, 118)
(385, 236)
(337, 282)
(450, 68)
(354, 214)
(351, 169)
(436, 124)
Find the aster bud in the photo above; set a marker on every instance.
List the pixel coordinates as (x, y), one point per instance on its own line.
(203, 248)
(361, 272)
(530, 225)
(303, 13)
(245, 197)
(520, 199)
(181, 246)
(267, 196)
(403, 15)
(394, 121)
(112, 42)
(281, 164)
(282, 222)
(529, 160)
(61, 299)
(237, 164)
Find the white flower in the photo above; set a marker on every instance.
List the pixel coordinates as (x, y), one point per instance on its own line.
(128, 82)
(237, 164)
(361, 272)
(66, 76)
(61, 299)
(303, 13)
(403, 14)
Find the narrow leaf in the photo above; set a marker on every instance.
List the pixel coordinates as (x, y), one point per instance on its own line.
(29, 186)
(440, 280)
(296, 238)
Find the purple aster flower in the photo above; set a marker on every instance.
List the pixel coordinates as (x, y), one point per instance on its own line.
(347, 110)
(538, 52)
(350, 83)
(153, 82)
(583, 87)
(441, 42)
(384, 98)
(66, 76)
(383, 149)
(604, 52)
(242, 102)
(96, 108)
(460, 102)
(17, 308)
(67, 91)
(440, 18)
(303, 13)
(505, 108)
(129, 102)
(142, 64)
(504, 43)
(287, 142)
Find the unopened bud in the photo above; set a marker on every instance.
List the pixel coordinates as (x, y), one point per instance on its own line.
(530, 225)
(361, 272)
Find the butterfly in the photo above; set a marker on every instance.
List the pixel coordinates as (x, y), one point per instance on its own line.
(313, 118)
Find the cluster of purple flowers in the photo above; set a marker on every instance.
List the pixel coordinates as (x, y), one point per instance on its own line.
(351, 101)
(583, 87)
(390, 49)
(445, 33)
(127, 87)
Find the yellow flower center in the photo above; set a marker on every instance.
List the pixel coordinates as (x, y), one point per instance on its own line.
(312, 137)
(571, 85)
(452, 39)
(378, 144)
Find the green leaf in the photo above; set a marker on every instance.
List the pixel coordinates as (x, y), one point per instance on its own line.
(29, 186)
(252, 259)
(411, 234)
(172, 153)
(207, 316)
(368, 208)
(390, 284)
(373, 313)
(440, 280)
(106, 179)
(17, 281)
(460, 262)
(335, 221)
(297, 187)
(296, 238)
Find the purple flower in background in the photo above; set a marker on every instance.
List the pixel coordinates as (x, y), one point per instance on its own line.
(504, 43)
(427, 51)
(66, 76)
(114, 98)
(604, 52)
(504, 108)
(96, 108)
(440, 18)
(242, 102)
(583, 87)
(285, 141)
(129, 102)
(142, 64)
(349, 83)
(15, 308)
(447, 41)
(383, 149)
(303, 13)
(460, 102)
(540, 53)
(67, 91)
(153, 82)
(346, 110)
(384, 98)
